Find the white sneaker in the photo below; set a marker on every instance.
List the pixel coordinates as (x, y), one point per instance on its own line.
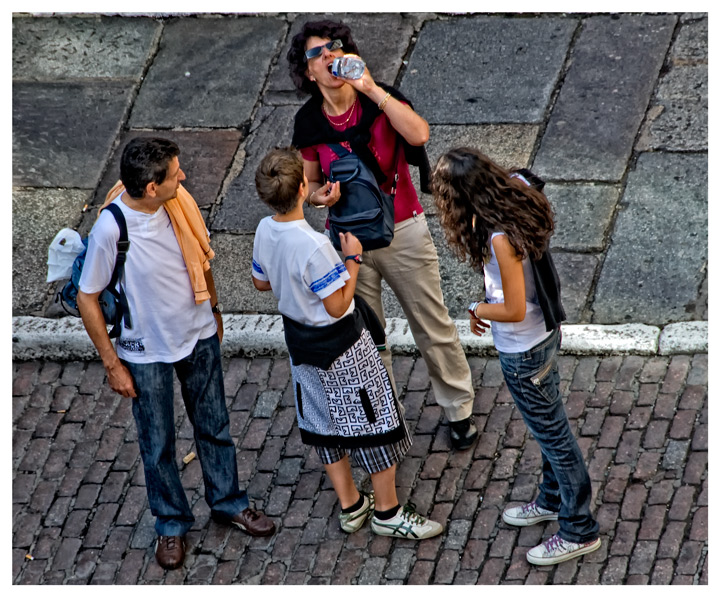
(407, 524)
(352, 521)
(556, 550)
(527, 514)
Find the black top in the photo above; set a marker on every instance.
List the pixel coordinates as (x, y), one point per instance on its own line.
(547, 285)
(312, 128)
(547, 281)
(319, 346)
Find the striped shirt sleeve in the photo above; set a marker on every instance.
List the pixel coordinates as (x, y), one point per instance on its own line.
(325, 273)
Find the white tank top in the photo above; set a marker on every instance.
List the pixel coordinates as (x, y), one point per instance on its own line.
(514, 336)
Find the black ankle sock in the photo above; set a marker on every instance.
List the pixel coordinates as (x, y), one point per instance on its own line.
(387, 514)
(356, 506)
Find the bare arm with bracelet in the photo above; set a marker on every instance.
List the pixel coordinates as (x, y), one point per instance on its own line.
(320, 195)
(512, 309)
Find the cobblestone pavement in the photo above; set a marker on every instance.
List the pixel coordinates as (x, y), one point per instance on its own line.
(80, 512)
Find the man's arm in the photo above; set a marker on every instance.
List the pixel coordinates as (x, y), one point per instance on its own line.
(119, 377)
(210, 281)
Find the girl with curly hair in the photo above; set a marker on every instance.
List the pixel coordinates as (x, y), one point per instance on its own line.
(502, 222)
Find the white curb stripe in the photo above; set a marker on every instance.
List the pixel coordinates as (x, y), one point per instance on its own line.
(262, 335)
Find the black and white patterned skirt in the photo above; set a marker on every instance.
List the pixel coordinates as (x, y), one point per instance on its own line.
(351, 404)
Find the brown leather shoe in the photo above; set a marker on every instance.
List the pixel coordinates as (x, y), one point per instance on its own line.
(253, 522)
(170, 552)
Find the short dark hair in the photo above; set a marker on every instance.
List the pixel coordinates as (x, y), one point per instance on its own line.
(145, 160)
(296, 55)
(278, 178)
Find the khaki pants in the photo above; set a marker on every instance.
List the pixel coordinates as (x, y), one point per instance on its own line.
(410, 267)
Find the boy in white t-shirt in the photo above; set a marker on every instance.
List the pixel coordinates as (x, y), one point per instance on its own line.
(343, 396)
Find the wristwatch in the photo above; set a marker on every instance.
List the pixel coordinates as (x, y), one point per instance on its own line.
(356, 258)
(218, 308)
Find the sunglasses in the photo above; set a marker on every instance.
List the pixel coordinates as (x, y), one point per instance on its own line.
(335, 44)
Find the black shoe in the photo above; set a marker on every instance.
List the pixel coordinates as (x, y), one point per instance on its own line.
(463, 433)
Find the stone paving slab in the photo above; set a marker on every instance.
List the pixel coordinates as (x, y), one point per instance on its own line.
(677, 119)
(487, 70)
(583, 215)
(233, 261)
(80, 509)
(613, 71)
(691, 43)
(63, 132)
(208, 72)
(81, 48)
(205, 157)
(38, 215)
(678, 122)
(577, 273)
(652, 242)
(242, 210)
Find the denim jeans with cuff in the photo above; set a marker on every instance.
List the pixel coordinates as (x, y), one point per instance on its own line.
(203, 393)
(533, 381)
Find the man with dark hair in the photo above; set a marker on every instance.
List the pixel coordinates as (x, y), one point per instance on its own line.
(176, 325)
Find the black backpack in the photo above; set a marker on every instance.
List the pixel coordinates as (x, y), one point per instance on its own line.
(363, 209)
(113, 302)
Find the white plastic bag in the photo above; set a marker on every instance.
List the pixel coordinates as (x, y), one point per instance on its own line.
(64, 248)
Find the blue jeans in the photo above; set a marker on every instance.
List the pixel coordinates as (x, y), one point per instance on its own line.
(533, 380)
(203, 392)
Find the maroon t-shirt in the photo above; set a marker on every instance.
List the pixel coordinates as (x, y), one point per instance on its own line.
(383, 141)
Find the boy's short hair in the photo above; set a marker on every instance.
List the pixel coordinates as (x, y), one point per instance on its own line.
(278, 178)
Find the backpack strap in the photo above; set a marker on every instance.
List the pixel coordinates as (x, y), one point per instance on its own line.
(338, 149)
(123, 246)
(341, 152)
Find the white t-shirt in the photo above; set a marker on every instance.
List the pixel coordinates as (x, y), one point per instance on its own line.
(302, 268)
(166, 321)
(514, 336)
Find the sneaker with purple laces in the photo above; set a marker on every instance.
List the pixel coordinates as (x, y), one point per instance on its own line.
(556, 550)
(527, 514)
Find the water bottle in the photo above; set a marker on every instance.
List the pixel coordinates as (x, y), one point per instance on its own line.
(349, 66)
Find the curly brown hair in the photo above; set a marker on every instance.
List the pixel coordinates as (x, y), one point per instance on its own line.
(476, 197)
(296, 54)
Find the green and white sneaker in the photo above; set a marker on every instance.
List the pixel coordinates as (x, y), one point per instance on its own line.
(407, 524)
(352, 521)
(556, 550)
(527, 514)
